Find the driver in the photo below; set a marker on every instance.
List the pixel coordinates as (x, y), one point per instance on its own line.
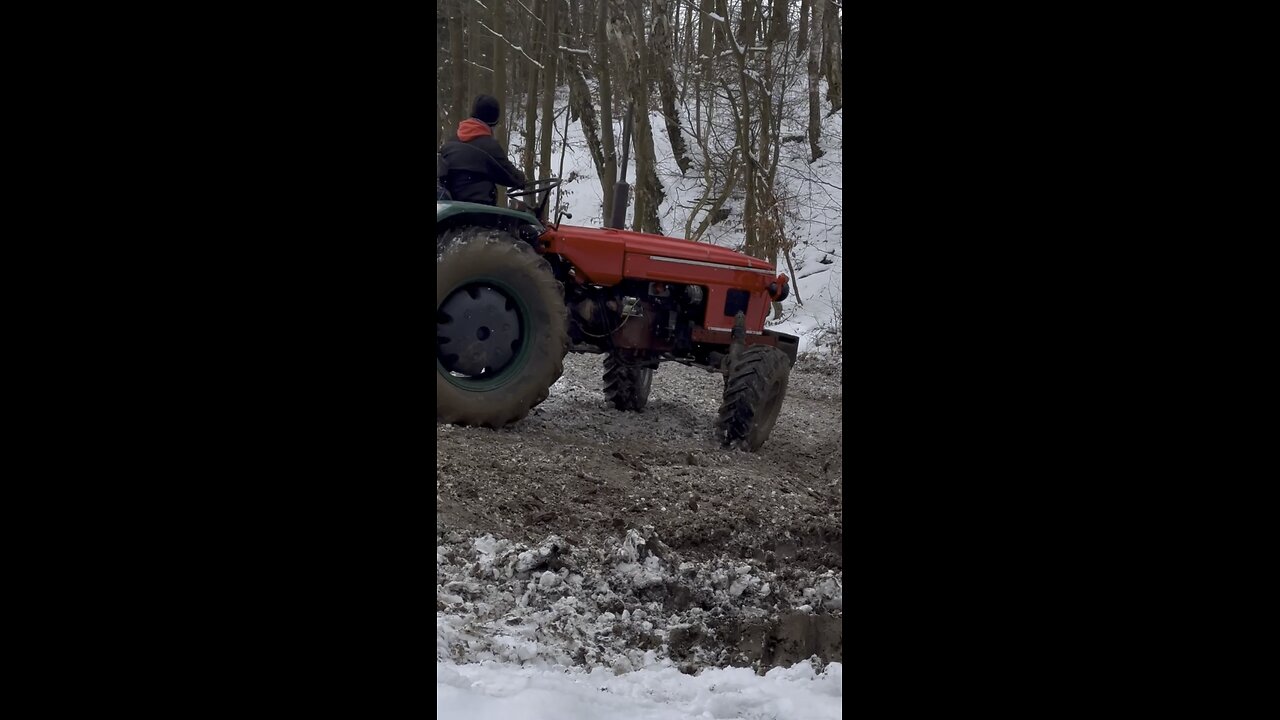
(475, 159)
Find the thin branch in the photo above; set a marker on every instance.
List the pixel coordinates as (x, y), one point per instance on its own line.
(535, 17)
(513, 47)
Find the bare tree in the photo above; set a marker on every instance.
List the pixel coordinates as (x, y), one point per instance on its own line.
(706, 56)
(743, 125)
(500, 81)
(633, 54)
(479, 51)
(802, 43)
(443, 86)
(660, 42)
(815, 52)
(581, 104)
(550, 15)
(531, 103)
(832, 54)
(749, 22)
(685, 47)
(712, 174)
(705, 48)
(778, 26)
(456, 60)
(610, 174)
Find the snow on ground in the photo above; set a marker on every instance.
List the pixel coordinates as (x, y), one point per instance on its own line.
(813, 206)
(496, 691)
(507, 630)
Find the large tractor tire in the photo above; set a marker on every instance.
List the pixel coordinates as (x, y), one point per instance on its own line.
(501, 327)
(626, 386)
(753, 394)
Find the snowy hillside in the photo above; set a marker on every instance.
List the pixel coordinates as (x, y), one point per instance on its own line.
(814, 215)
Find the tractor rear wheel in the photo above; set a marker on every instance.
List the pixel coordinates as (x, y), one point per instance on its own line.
(626, 386)
(753, 394)
(501, 327)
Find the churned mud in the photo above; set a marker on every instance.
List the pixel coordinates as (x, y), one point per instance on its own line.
(584, 535)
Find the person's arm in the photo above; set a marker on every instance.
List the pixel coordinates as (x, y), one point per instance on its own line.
(516, 175)
(509, 175)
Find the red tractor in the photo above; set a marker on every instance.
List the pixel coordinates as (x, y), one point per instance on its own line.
(514, 294)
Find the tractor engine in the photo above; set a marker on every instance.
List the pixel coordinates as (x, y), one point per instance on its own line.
(640, 319)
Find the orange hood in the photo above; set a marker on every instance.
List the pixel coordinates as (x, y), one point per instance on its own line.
(471, 128)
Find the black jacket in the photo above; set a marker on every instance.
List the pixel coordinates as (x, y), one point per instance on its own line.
(476, 164)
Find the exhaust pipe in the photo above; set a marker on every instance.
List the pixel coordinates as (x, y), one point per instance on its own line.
(621, 189)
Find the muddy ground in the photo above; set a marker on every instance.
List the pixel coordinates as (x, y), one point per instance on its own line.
(554, 532)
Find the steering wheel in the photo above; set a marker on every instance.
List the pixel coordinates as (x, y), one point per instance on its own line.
(531, 187)
(534, 187)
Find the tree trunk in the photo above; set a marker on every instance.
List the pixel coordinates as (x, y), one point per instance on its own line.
(802, 39)
(767, 234)
(661, 45)
(749, 205)
(778, 27)
(687, 46)
(581, 104)
(503, 131)
(479, 52)
(624, 53)
(550, 16)
(748, 23)
(457, 63)
(833, 51)
(531, 106)
(784, 245)
(627, 32)
(689, 49)
(815, 53)
(704, 52)
(610, 174)
(719, 30)
(740, 107)
(705, 28)
(444, 93)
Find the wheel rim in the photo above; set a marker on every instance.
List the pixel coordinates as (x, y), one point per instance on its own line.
(481, 335)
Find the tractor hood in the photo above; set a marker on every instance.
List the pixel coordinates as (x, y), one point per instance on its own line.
(606, 255)
(662, 246)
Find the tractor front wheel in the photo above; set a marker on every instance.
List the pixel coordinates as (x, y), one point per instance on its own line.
(753, 394)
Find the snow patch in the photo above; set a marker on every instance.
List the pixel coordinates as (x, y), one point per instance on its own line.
(496, 691)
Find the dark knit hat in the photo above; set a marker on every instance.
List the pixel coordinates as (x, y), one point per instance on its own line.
(486, 110)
